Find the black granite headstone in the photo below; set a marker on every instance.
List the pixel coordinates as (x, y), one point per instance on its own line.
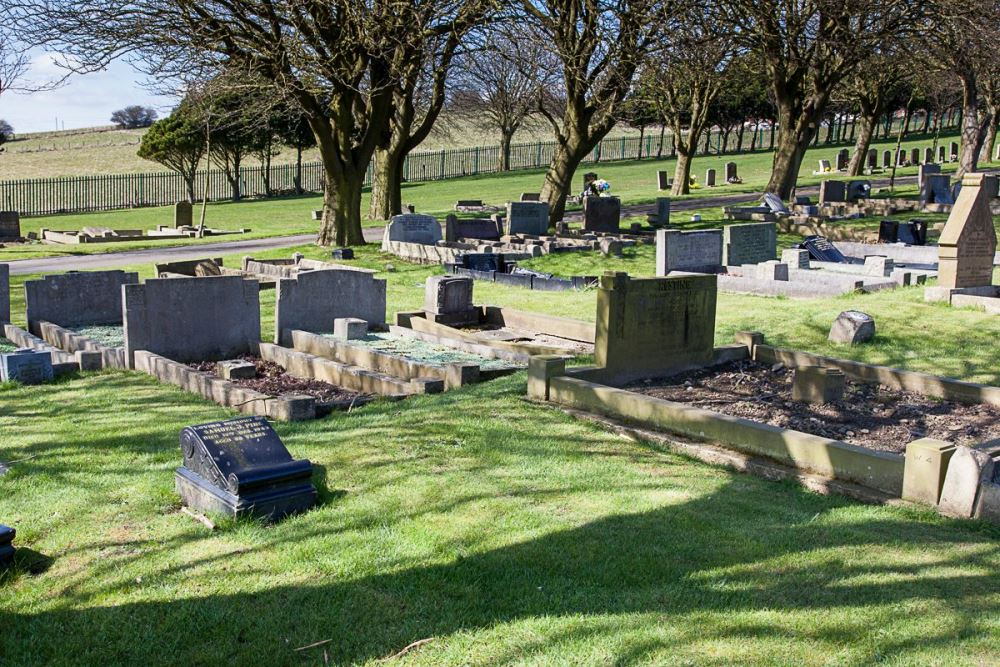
(240, 467)
(913, 232)
(6, 545)
(888, 231)
(822, 250)
(483, 261)
(343, 253)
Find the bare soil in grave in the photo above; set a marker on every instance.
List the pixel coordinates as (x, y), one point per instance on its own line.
(273, 380)
(870, 415)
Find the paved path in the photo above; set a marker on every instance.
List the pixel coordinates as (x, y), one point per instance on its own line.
(153, 255)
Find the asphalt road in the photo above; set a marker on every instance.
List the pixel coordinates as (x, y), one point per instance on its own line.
(113, 260)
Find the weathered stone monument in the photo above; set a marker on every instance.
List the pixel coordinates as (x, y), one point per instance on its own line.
(695, 251)
(183, 214)
(852, 327)
(314, 299)
(240, 467)
(448, 300)
(602, 214)
(710, 178)
(968, 243)
(531, 218)
(751, 243)
(731, 174)
(76, 299)
(412, 228)
(27, 366)
(649, 327)
(10, 226)
(483, 229)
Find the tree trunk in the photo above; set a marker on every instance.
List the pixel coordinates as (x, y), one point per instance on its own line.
(739, 136)
(506, 137)
(986, 154)
(682, 175)
(298, 168)
(559, 177)
(342, 209)
(753, 139)
(659, 148)
(189, 184)
(973, 132)
(642, 135)
(862, 144)
(387, 183)
(796, 129)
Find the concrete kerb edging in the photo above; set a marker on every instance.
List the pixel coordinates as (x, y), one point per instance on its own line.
(62, 362)
(91, 354)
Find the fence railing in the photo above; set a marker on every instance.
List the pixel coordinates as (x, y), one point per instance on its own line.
(49, 196)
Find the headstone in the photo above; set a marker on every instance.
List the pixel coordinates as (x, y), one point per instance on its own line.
(481, 229)
(7, 535)
(795, 258)
(936, 189)
(942, 155)
(76, 299)
(611, 247)
(773, 202)
(879, 265)
(317, 214)
(661, 218)
(342, 253)
(888, 231)
(915, 156)
(349, 328)
(857, 190)
(468, 203)
(4, 295)
(483, 261)
(822, 250)
(954, 151)
(818, 384)
(913, 232)
(314, 299)
(843, 157)
(928, 155)
(448, 300)
(886, 159)
(731, 175)
(602, 214)
(647, 327)
(240, 467)
(26, 366)
(872, 159)
(236, 369)
(968, 470)
(530, 218)
(824, 166)
(710, 178)
(530, 196)
(852, 327)
(751, 243)
(695, 251)
(968, 243)
(10, 225)
(832, 192)
(412, 228)
(183, 214)
(925, 170)
(772, 270)
(662, 181)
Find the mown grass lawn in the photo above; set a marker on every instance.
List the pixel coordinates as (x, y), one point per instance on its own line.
(633, 181)
(503, 531)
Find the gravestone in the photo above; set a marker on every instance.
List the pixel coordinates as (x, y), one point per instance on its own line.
(483, 229)
(314, 299)
(822, 250)
(936, 189)
(531, 218)
(852, 327)
(7, 535)
(901, 158)
(76, 299)
(928, 155)
(912, 232)
(857, 190)
(773, 202)
(10, 225)
(349, 328)
(648, 327)
(770, 270)
(872, 159)
(695, 251)
(192, 319)
(731, 175)
(27, 366)
(530, 196)
(240, 467)
(342, 253)
(942, 155)
(448, 300)
(412, 228)
(953, 153)
(795, 258)
(611, 247)
(661, 218)
(183, 214)
(602, 214)
(886, 159)
(751, 243)
(969, 242)
(710, 178)
(915, 156)
(926, 170)
(824, 166)
(662, 181)
(832, 191)
(4, 295)
(878, 265)
(888, 231)
(483, 261)
(843, 157)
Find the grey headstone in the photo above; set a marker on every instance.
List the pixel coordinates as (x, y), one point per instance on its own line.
(449, 299)
(696, 251)
(7, 535)
(751, 243)
(349, 328)
(857, 190)
(915, 156)
(872, 159)
(661, 218)
(92, 298)
(925, 170)
(954, 148)
(26, 366)
(771, 270)
(843, 157)
(314, 299)
(852, 327)
(796, 258)
(928, 155)
(183, 214)
(412, 228)
(773, 202)
(4, 294)
(942, 155)
(832, 191)
(937, 189)
(662, 181)
(710, 178)
(878, 265)
(530, 218)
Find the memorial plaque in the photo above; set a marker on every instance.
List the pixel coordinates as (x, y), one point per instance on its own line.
(7, 535)
(696, 251)
(531, 218)
(240, 467)
(10, 225)
(412, 228)
(26, 366)
(649, 327)
(752, 243)
(832, 191)
(602, 214)
(183, 214)
(822, 250)
(968, 243)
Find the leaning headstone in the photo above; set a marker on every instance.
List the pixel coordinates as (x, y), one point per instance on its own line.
(448, 300)
(602, 214)
(10, 225)
(824, 166)
(4, 295)
(822, 250)
(7, 535)
(240, 467)
(648, 327)
(751, 243)
(852, 327)
(695, 251)
(183, 214)
(710, 178)
(773, 202)
(926, 170)
(968, 243)
(968, 469)
(936, 189)
(832, 192)
(795, 258)
(731, 175)
(886, 159)
(530, 218)
(27, 366)
(412, 228)
(662, 181)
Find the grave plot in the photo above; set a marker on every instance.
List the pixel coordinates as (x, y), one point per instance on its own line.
(36, 361)
(80, 313)
(449, 318)
(840, 424)
(496, 268)
(265, 271)
(108, 235)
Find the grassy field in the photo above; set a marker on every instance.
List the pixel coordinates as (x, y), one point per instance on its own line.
(502, 531)
(633, 181)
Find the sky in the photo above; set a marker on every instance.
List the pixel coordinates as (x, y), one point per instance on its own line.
(84, 101)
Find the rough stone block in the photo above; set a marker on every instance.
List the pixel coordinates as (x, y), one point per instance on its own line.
(796, 258)
(236, 369)
(852, 327)
(967, 470)
(541, 368)
(818, 384)
(349, 328)
(925, 469)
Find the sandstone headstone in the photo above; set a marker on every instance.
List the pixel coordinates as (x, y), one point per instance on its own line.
(772, 270)
(26, 366)
(969, 242)
(796, 258)
(349, 328)
(647, 327)
(926, 465)
(824, 166)
(183, 216)
(240, 467)
(602, 214)
(530, 218)
(10, 225)
(818, 384)
(967, 471)
(852, 327)
(412, 228)
(448, 300)
(695, 251)
(751, 243)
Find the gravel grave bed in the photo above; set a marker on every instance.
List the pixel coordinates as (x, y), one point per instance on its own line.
(109, 336)
(421, 351)
(871, 415)
(273, 380)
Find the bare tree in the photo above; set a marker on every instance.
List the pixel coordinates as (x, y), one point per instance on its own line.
(870, 92)
(13, 61)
